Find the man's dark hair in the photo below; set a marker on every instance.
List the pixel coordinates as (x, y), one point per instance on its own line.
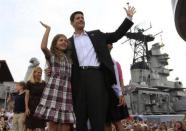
(73, 15)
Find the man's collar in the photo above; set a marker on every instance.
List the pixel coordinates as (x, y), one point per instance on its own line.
(83, 33)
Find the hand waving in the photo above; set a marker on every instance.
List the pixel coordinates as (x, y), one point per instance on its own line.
(130, 11)
(45, 25)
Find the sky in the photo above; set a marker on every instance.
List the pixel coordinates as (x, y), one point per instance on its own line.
(21, 32)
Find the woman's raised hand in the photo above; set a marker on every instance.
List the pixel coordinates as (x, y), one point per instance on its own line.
(45, 25)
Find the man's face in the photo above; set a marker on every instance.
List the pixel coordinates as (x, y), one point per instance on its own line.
(78, 22)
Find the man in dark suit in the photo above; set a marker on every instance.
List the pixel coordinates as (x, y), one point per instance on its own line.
(93, 70)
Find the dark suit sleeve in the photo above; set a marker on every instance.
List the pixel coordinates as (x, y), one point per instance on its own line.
(120, 32)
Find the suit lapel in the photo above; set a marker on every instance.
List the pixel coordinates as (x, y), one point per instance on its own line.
(93, 40)
(74, 54)
(91, 36)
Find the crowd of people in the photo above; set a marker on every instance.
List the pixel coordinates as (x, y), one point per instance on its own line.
(129, 124)
(84, 89)
(149, 125)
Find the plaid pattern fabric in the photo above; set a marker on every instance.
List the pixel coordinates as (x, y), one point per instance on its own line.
(56, 101)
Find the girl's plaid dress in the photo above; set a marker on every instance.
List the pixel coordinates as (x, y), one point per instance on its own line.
(56, 102)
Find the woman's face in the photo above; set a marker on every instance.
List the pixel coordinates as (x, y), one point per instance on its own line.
(37, 74)
(177, 126)
(62, 43)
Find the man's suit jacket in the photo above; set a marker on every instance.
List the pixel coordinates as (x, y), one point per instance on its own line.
(100, 41)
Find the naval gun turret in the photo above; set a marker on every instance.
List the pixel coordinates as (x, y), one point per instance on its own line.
(153, 93)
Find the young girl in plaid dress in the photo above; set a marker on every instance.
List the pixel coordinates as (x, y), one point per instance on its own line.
(56, 102)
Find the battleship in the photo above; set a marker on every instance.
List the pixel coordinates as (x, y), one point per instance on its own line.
(149, 91)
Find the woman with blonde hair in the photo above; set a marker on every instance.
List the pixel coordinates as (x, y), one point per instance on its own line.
(34, 91)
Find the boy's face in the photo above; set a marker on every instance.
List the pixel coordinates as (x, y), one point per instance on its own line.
(18, 87)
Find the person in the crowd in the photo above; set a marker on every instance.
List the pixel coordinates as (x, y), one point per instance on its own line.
(19, 107)
(9, 115)
(117, 109)
(178, 126)
(3, 123)
(56, 101)
(163, 127)
(35, 87)
(93, 70)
